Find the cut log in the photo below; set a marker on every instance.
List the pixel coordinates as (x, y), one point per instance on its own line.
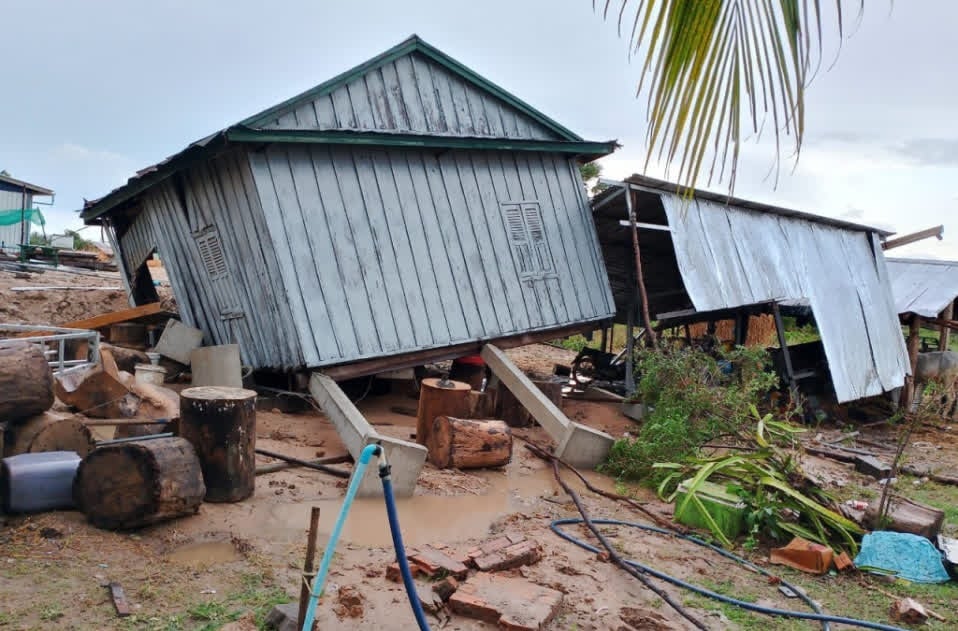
(26, 383)
(129, 485)
(440, 397)
(125, 358)
(469, 444)
(95, 392)
(221, 425)
(50, 432)
(482, 405)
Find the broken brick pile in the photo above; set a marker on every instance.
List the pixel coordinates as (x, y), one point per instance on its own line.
(469, 585)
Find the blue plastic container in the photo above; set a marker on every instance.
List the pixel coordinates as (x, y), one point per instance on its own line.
(36, 482)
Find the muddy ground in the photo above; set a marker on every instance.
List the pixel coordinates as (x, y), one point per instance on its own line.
(233, 561)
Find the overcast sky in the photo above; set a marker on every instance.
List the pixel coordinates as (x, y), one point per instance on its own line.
(92, 91)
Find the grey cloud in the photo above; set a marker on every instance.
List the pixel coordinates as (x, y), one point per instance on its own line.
(929, 151)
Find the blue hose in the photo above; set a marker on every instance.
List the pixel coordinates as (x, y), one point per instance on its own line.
(316, 590)
(769, 611)
(384, 473)
(319, 582)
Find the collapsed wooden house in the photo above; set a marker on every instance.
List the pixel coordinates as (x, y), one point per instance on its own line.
(714, 257)
(405, 211)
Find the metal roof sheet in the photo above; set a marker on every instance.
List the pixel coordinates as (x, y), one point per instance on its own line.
(656, 185)
(33, 188)
(922, 286)
(731, 256)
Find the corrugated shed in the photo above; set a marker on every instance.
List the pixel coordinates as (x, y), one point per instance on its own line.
(11, 235)
(386, 251)
(444, 104)
(730, 257)
(921, 286)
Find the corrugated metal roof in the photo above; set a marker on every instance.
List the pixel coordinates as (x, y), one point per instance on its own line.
(20, 184)
(656, 185)
(922, 286)
(731, 256)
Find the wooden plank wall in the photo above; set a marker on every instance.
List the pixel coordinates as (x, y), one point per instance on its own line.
(413, 94)
(388, 251)
(221, 194)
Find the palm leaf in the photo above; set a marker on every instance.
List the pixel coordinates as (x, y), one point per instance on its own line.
(714, 66)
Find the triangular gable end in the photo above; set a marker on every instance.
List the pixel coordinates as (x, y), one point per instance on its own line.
(413, 88)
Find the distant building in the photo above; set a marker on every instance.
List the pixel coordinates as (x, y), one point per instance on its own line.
(16, 210)
(407, 209)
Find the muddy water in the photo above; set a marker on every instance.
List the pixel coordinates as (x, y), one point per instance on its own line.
(205, 553)
(424, 518)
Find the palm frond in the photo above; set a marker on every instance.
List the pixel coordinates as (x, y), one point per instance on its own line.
(716, 71)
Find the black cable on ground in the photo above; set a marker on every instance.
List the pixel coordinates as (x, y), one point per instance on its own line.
(769, 611)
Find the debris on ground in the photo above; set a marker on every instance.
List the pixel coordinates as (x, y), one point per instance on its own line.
(504, 553)
(349, 602)
(512, 603)
(435, 563)
(803, 555)
(906, 515)
(909, 611)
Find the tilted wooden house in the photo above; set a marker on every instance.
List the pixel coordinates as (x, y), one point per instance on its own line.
(407, 209)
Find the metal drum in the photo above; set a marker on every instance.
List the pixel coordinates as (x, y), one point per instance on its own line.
(38, 481)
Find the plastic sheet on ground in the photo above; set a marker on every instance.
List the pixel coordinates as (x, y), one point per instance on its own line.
(905, 555)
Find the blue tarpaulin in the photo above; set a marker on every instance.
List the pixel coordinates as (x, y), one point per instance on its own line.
(905, 555)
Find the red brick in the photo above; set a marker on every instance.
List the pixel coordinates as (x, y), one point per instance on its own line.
(446, 587)
(515, 555)
(433, 562)
(513, 603)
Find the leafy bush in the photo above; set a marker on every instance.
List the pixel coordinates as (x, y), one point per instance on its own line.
(780, 501)
(693, 398)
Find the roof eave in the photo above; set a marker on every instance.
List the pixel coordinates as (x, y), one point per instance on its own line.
(33, 188)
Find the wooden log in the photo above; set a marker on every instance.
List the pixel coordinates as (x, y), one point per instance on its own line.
(482, 405)
(93, 391)
(439, 397)
(26, 383)
(134, 484)
(469, 444)
(50, 432)
(221, 425)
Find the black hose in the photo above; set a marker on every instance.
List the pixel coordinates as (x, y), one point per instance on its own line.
(769, 611)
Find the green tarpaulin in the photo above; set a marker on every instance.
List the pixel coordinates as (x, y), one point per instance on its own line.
(16, 215)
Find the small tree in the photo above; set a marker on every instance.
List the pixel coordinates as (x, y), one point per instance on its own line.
(591, 171)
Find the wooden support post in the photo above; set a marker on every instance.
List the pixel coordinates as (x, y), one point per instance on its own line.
(630, 346)
(577, 444)
(355, 431)
(786, 355)
(308, 565)
(913, 342)
(639, 275)
(945, 331)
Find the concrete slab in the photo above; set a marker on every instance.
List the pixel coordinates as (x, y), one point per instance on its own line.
(178, 340)
(406, 459)
(355, 431)
(584, 447)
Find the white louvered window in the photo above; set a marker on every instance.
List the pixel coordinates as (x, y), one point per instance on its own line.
(527, 236)
(211, 252)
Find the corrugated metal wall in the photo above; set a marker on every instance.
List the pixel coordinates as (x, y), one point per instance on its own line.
(413, 94)
(389, 251)
(11, 235)
(243, 303)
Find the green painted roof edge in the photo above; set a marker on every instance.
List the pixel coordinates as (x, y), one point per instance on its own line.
(377, 139)
(410, 45)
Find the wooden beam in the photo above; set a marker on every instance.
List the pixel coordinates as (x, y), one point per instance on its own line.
(914, 237)
(786, 355)
(945, 332)
(908, 394)
(645, 226)
(376, 365)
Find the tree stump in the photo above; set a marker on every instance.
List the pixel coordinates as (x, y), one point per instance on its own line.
(469, 444)
(514, 414)
(129, 485)
(26, 383)
(221, 425)
(440, 397)
(49, 432)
